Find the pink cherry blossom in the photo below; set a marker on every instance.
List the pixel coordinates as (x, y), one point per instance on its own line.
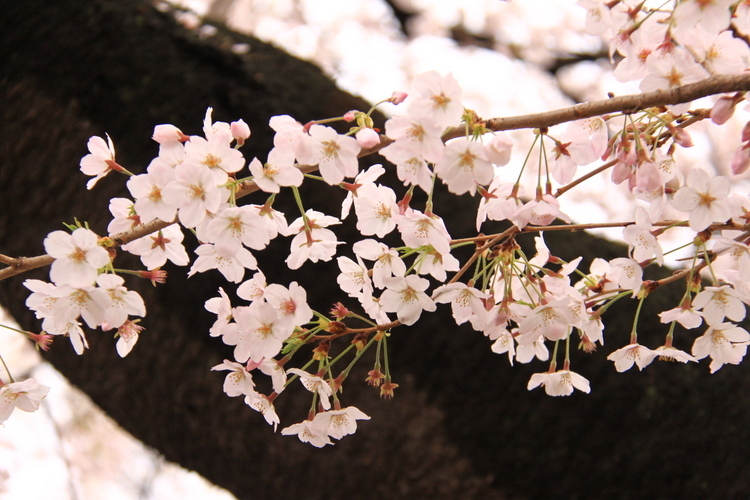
(335, 155)
(127, 336)
(259, 334)
(167, 133)
(464, 165)
(278, 171)
(437, 98)
(387, 262)
(147, 191)
(290, 303)
(367, 138)
(419, 136)
(194, 192)
(125, 216)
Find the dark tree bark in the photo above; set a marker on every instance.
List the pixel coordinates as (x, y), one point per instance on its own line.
(462, 424)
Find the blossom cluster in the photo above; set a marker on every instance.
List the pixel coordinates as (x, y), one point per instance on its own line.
(524, 304)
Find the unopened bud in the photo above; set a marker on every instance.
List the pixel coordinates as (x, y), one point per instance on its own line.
(723, 110)
(240, 131)
(398, 97)
(682, 137)
(740, 160)
(499, 149)
(350, 116)
(367, 138)
(166, 133)
(745, 133)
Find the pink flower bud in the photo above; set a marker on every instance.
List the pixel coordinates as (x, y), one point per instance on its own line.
(682, 137)
(745, 133)
(164, 134)
(740, 160)
(722, 110)
(367, 138)
(350, 116)
(499, 148)
(240, 131)
(398, 97)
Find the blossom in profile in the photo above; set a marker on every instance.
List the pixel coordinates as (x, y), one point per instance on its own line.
(559, 383)
(26, 395)
(100, 160)
(625, 357)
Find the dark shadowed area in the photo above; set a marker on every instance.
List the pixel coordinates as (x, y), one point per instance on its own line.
(462, 424)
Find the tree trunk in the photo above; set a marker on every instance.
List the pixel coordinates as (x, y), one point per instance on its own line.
(462, 424)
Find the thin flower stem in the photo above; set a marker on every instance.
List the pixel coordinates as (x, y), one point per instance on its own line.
(10, 377)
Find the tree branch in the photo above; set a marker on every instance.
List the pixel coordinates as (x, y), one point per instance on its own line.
(625, 104)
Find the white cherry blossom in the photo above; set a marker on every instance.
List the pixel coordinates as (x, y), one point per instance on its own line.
(559, 383)
(26, 395)
(77, 255)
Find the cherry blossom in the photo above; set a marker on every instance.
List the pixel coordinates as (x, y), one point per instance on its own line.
(236, 226)
(375, 208)
(625, 357)
(194, 192)
(122, 303)
(405, 296)
(418, 136)
(387, 261)
(340, 423)
(26, 395)
(335, 155)
(309, 432)
(719, 302)
(231, 264)
(100, 160)
(155, 249)
(77, 255)
(290, 303)
(559, 383)
(125, 216)
(147, 191)
(642, 244)
(437, 98)
(418, 229)
(278, 171)
(464, 165)
(239, 382)
(314, 384)
(259, 335)
(313, 241)
(726, 343)
(127, 336)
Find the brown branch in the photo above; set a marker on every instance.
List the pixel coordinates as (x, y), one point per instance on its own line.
(626, 104)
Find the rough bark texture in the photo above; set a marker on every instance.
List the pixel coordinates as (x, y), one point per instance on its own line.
(462, 424)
